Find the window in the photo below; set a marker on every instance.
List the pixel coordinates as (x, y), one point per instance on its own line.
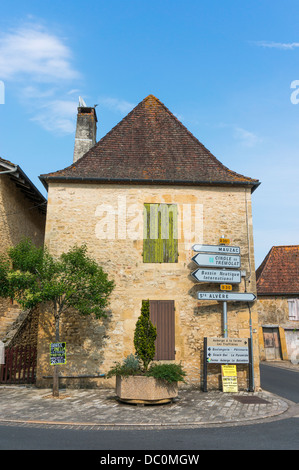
(162, 316)
(293, 309)
(160, 238)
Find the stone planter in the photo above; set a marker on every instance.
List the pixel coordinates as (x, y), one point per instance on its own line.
(138, 389)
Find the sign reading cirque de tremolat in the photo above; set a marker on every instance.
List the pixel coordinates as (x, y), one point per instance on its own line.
(225, 261)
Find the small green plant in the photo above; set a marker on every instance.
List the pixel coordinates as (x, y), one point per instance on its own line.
(169, 372)
(129, 366)
(132, 362)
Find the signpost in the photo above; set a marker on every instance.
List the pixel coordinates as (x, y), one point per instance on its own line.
(217, 260)
(217, 275)
(223, 256)
(216, 249)
(57, 353)
(227, 351)
(227, 296)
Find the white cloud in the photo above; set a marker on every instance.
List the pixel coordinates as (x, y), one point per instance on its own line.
(32, 52)
(57, 116)
(115, 104)
(38, 64)
(247, 138)
(278, 45)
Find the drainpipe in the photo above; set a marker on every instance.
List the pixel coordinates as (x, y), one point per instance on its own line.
(9, 171)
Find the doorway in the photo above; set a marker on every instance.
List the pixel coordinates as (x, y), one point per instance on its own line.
(272, 344)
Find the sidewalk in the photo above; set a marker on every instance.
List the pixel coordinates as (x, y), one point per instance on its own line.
(29, 406)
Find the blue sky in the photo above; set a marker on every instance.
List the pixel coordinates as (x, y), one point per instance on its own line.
(223, 67)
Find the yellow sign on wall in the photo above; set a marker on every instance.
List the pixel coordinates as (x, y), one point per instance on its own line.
(229, 370)
(224, 241)
(229, 378)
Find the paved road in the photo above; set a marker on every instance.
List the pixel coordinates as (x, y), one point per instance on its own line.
(282, 382)
(277, 433)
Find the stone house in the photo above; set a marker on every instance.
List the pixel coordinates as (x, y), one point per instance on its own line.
(278, 304)
(22, 214)
(140, 198)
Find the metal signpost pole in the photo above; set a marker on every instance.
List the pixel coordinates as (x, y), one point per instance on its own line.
(225, 319)
(205, 366)
(251, 350)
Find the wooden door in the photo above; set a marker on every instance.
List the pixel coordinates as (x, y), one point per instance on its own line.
(162, 315)
(272, 344)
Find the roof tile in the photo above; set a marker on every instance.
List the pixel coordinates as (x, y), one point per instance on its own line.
(279, 272)
(150, 145)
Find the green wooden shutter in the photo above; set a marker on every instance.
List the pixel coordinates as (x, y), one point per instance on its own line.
(160, 243)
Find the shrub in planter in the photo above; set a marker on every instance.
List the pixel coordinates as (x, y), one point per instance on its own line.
(170, 372)
(139, 381)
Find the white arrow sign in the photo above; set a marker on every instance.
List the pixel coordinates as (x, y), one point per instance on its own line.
(227, 296)
(217, 275)
(224, 261)
(217, 249)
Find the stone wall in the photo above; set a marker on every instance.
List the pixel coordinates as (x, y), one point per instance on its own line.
(80, 213)
(273, 311)
(17, 218)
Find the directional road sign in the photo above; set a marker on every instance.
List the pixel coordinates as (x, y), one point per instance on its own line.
(220, 276)
(227, 296)
(217, 249)
(227, 351)
(217, 260)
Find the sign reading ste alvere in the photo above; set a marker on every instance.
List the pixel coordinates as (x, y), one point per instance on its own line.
(224, 261)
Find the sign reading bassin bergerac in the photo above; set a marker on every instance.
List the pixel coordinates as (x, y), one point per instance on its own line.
(217, 276)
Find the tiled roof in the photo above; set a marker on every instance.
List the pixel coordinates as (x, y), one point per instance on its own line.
(279, 272)
(150, 145)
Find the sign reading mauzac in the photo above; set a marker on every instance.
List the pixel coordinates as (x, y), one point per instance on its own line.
(217, 260)
(216, 249)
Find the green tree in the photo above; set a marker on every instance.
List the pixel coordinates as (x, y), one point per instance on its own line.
(145, 336)
(31, 276)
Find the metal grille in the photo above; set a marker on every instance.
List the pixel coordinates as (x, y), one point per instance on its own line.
(20, 365)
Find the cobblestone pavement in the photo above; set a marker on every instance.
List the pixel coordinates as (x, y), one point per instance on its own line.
(27, 405)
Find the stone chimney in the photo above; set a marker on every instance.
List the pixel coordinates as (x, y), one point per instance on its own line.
(86, 130)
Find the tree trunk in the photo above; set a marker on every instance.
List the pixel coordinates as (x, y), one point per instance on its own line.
(56, 367)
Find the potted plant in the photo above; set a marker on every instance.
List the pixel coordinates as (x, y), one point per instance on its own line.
(138, 379)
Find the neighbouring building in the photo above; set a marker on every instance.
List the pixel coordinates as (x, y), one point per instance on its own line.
(22, 215)
(278, 304)
(140, 198)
